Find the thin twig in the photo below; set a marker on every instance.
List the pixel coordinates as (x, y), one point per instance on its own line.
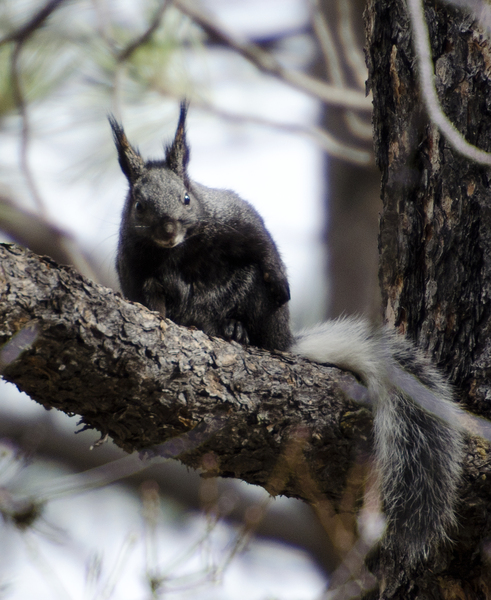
(354, 56)
(265, 62)
(120, 565)
(36, 21)
(67, 245)
(25, 137)
(327, 44)
(325, 140)
(429, 93)
(356, 124)
(45, 567)
(123, 55)
(145, 36)
(322, 138)
(101, 26)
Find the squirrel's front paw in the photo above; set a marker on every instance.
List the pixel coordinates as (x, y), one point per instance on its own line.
(278, 286)
(234, 330)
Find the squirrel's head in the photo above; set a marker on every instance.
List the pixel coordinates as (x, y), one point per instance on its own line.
(161, 205)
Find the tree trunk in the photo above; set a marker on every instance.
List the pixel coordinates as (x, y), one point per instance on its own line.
(435, 231)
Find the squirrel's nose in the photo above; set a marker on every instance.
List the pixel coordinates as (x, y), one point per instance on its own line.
(167, 233)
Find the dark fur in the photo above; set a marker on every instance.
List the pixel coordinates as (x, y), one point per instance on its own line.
(201, 257)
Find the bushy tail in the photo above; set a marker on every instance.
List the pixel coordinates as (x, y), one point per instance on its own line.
(418, 432)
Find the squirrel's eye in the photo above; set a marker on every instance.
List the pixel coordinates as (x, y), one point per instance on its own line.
(186, 199)
(138, 207)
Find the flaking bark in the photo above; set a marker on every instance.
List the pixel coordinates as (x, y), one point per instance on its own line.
(435, 241)
(152, 385)
(435, 230)
(272, 420)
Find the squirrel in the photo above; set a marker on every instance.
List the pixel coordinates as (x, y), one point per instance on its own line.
(203, 257)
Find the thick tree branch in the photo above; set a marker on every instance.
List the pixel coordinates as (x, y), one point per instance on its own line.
(273, 420)
(151, 384)
(30, 229)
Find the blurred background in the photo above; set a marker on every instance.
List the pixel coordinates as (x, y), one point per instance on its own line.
(279, 114)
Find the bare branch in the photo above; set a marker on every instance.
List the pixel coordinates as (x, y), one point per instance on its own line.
(357, 125)
(146, 35)
(270, 420)
(327, 44)
(43, 237)
(428, 89)
(352, 51)
(123, 55)
(322, 138)
(264, 61)
(64, 243)
(20, 35)
(24, 146)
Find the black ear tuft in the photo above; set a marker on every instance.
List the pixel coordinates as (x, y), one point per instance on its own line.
(131, 162)
(177, 154)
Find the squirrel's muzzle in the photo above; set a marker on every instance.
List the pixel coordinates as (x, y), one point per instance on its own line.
(168, 233)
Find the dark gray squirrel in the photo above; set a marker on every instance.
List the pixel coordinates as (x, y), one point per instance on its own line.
(203, 257)
(199, 256)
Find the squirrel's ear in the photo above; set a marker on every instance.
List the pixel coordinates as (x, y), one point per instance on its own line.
(131, 162)
(177, 154)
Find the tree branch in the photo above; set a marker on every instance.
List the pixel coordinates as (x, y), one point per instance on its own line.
(30, 229)
(273, 420)
(74, 345)
(265, 62)
(429, 93)
(36, 21)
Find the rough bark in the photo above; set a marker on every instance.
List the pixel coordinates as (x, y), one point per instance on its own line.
(272, 420)
(435, 231)
(149, 384)
(435, 237)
